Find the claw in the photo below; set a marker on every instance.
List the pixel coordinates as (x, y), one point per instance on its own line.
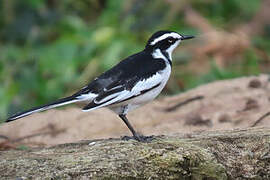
(139, 138)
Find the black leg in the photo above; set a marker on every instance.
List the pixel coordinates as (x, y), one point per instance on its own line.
(134, 133)
(124, 118)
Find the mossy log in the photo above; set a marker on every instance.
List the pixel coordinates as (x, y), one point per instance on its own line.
(235, 154)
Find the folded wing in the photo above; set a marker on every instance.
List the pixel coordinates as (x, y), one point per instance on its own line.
(123, 92)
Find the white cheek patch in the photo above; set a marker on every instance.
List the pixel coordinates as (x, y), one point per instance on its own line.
(157, 54)
(164, 36)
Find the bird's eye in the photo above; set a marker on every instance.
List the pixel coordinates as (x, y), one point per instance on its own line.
(170, 40)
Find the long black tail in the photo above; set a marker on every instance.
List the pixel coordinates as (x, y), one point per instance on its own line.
(60, 102)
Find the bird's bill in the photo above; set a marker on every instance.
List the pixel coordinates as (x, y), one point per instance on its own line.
(186, 37)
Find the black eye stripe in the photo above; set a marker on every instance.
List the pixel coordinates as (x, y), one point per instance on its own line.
(165, 43)
(171, 40)
(168, 40)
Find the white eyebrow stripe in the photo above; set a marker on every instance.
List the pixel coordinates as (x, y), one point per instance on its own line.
(164, 36)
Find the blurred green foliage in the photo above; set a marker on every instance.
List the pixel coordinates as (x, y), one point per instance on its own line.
(50, 48)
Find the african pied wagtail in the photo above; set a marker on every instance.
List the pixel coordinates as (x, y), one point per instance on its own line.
(133, 82)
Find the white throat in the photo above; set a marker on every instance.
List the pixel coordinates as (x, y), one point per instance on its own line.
(170, 49)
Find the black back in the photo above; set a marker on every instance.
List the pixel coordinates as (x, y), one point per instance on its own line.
(132, 69)
(128, 72)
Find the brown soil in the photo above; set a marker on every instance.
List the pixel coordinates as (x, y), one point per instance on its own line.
(227, 104)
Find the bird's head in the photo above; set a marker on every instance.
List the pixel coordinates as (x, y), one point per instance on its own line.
(165, 42)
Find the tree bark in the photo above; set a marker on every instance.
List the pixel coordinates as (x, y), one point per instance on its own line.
(235, 154)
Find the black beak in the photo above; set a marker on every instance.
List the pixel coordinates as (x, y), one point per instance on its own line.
(186, 37)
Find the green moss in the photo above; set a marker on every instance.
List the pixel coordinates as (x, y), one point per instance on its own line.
(210, 155)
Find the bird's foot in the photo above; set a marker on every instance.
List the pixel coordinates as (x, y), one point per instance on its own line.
(140, 138)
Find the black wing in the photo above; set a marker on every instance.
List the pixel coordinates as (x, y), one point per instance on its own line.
(125, 74)
(115, 84)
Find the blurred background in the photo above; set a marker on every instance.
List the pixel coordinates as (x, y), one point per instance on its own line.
(51, 48)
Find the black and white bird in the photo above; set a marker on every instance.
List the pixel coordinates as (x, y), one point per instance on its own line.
(133, 82)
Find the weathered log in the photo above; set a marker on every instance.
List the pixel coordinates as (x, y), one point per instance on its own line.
(235, 154)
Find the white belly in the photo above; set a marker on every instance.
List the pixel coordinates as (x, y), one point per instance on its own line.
(146, 97)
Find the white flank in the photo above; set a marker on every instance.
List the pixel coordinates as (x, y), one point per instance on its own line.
(160, 77)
